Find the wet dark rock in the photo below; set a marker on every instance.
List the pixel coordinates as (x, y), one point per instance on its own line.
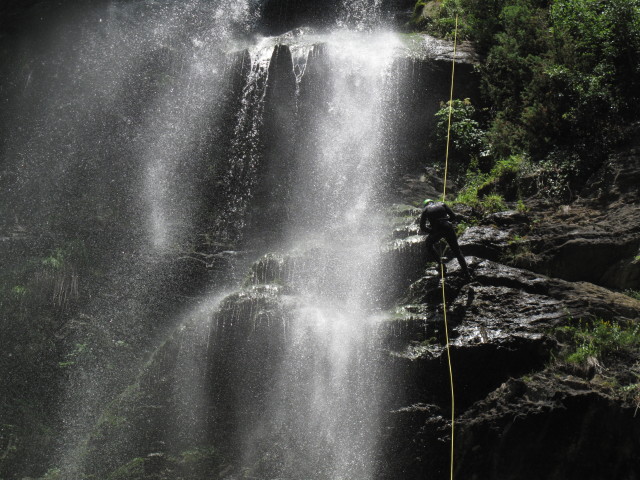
(588, 256)
(242, 342)
(499, 329)
(424, 86)
(269, 208)
(500, 316)
(488, 242)
(509, 218)
(271, 268)
(618, 179)
(424, 453)
(566, 423)
(414, 188)
(577, 242)
(502, 306)
(403, 260)
(597, 237)
(583, 242)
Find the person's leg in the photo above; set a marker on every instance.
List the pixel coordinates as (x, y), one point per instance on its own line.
(432, 239)
(452, 240)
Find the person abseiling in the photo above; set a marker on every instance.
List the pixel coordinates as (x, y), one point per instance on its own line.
(441, 219)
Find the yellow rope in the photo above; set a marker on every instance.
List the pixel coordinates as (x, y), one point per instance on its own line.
(444, 300)
(453, 398)
(453, 70)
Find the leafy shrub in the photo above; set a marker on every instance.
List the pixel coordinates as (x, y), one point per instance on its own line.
(555, 175)
(439, 18)
(600, 340)
(52, 474)
(480, 192)
(562, 78)
(521, 206)
(468, 142)
(483, 205)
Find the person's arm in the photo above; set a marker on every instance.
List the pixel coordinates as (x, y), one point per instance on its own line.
(452, 216)
(423, 222)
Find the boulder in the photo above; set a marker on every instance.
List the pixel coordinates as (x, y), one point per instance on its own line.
(497, 327)
(488, 242)
(499, 330)
(566, 423)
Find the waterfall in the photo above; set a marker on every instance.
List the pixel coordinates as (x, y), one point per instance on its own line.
(245, 149)
(130, 103)
(326, 404)
(169, 138)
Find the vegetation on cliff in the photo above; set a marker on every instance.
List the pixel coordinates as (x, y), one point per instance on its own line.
(560, 80)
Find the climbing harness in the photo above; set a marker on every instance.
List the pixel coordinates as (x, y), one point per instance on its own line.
(442, 273)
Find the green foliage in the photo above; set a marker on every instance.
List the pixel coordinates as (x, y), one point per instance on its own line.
(55, 260)
(474, 193)
(600, 38)
(599, 340)
(483, 205)
(438, 18)
(462, 226)
(633, 293)
(521, 207)
(467, 139)
(73, 254)
(562, 78)
(19, 291)
(509, 166)
(632, 393)
(519, 253)
(52, 474)
(74, 355)
(493, 203)
(555, 175)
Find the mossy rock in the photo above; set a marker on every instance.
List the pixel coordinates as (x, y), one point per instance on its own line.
(426, 12)
(134, 470)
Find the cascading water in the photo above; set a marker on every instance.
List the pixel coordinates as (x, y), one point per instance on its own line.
(171, 126)
(246, 140)
(131, 107)
(328, 394)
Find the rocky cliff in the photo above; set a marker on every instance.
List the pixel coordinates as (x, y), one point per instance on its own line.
(523, 411)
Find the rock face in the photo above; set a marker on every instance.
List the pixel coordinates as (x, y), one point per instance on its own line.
(519, 414)
(178, 398)
(582, 241)
(565, 423)
(508, 418)
(498, 326)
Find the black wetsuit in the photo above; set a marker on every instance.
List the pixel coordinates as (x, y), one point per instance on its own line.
(440, 217)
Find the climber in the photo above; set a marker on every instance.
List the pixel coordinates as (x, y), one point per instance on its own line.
(440, 218)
